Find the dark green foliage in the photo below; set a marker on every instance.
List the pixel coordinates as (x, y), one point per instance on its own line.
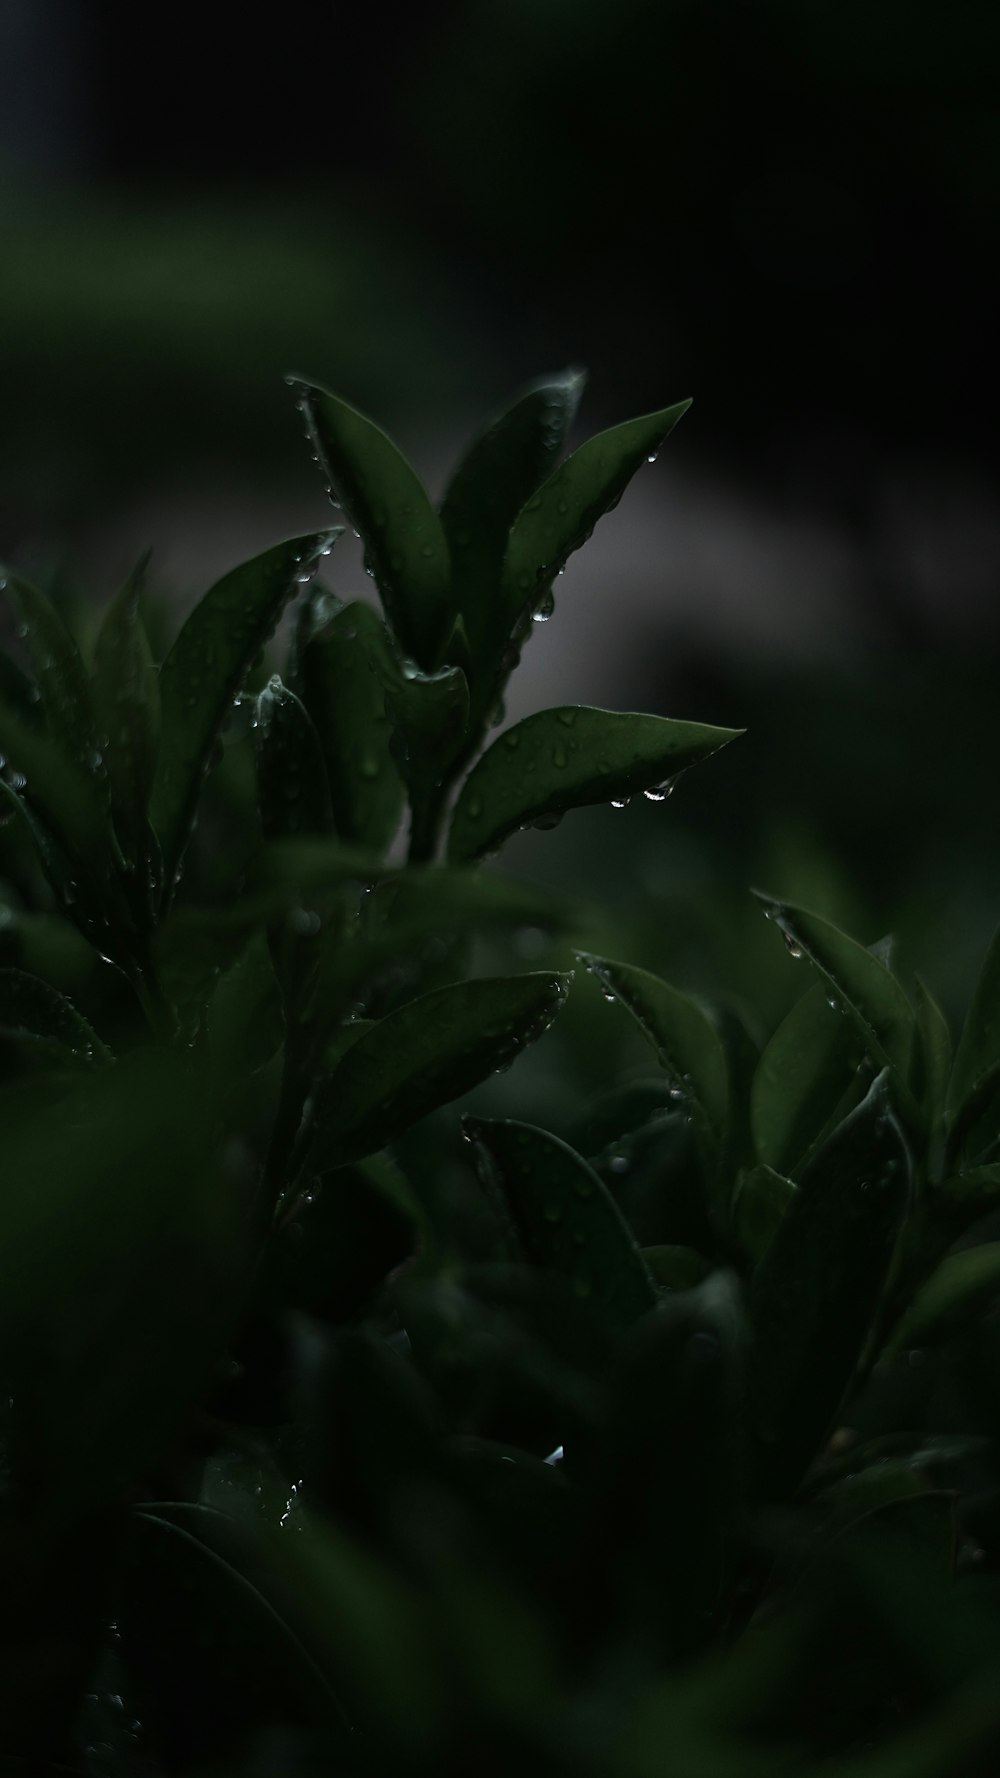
(610, 1439)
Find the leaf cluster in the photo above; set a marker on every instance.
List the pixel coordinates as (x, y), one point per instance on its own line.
(336, 1435)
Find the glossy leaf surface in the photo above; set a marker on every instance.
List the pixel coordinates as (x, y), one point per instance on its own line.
(810, 1062)
(126, 692)
(564, 758)
(498, 474)
(565, 1217)
(292, 790)
(405, 545)
(561, 515)
(345, 666)
(684, 1038)
(816, 1290)
(961, 1288)
(427, 1054)
(33, 1012)
(59, 671)
(760, 1203)
(871, 997)
(207, 666)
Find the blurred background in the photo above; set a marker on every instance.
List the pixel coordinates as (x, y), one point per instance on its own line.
(787, 211)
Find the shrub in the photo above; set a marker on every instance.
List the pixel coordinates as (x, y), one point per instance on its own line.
(330, 1442)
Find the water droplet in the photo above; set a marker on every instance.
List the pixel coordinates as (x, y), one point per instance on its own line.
(792, 945)
(658, 793)
(545, 610)
(567, 717)
(368, 766)
(559, 757)
(619, 1163)
(475, 808)
(652, 456)
(620, 802)
(512, 739)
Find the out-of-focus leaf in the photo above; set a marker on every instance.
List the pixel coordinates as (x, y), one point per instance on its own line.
(425, 1055)
(562, 513)
(676, 1268)
(760, 1202)
(63, 792)
(932, 1058)
(817, 1288)
(978, 1050)
(122, 1265)
(346, 662)
(38, 1015)
(671, 1466)
(808, 1065)
(963, 1285)
(208, 1650)
(208, 665)
(564, 758)
(565, 1217)
(405, 545)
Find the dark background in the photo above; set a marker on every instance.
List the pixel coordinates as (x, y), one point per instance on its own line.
(786, 210)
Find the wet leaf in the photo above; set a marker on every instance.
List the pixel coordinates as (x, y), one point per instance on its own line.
(36, 1014)
(60, 674)
(292, 790)
(428, 1053)
(809, 1064)
(685, 1040)
(126, 692)
(564, 758)
(815, 1293)
(205, 669)
(561, 515)
(405, 545)
(346, 665)
(565, 1217)
(499, 472)
(67, 798)
(870, 996)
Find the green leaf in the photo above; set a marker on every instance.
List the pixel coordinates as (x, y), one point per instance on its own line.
(411, 914)
(292, 790)
(126, 693)
(207, 666)
(497, 475)
(760, 1203)
(346, 664)
(978, 1053)
(330, 1257)
(67, 797)
(123, 1257)
(60, 673)
(565, 1217)
(685, 1040)
(964, 1198)
(670, 1468)
(206, 1643)
(561, 515)
(430, 712)
(405, 546)
(932, 1057)
(564, 758)
(954, 1296)
(858, 981)
(816, 1291)
(430, 1052)
(809, 1064)
(676, 1268)
(33, 1012)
